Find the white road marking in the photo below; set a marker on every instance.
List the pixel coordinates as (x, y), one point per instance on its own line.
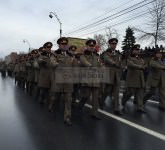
(132, 124)
(153, 101)
(132, 97)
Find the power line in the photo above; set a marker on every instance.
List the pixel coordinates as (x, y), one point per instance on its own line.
(109, 17)
(107, 12)
(122, 22)
(115, 17)
(112, 10)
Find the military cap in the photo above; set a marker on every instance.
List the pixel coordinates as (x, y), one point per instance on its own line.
(48, 44)
(72, 47)
(113, 40)
(62, 40)
(34, 51)
(90, 42)
(40, 49)
(136, 46)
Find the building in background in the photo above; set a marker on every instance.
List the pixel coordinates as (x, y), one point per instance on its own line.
(11, 58)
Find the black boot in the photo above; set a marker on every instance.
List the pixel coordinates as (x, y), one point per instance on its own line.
(68, 122)
(82, 103)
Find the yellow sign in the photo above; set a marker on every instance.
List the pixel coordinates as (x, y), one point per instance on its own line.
(79, 43)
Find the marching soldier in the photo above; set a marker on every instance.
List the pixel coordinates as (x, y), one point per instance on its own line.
(76, 64)
(30, 74)
(22, 71)
(157, 79)
(112, 59)
(3, 68)
(135, 79)
(90, 60)
(59, 61)
(10, 68)
(44, 74)
(36, 72)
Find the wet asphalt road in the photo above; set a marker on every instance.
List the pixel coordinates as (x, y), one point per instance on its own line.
(26, 125)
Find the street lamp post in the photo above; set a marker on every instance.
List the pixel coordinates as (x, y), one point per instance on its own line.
(51, 16)
(26, 41)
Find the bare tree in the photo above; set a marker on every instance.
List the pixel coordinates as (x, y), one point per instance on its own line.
(110, 33)
(101, 41)
(156, 24)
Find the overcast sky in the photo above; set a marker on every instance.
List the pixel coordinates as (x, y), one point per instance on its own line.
(29, 19)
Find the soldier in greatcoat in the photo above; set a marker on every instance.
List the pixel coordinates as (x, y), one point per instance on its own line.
(156, 79)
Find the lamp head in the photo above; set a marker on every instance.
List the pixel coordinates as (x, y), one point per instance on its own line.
(51, 16)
